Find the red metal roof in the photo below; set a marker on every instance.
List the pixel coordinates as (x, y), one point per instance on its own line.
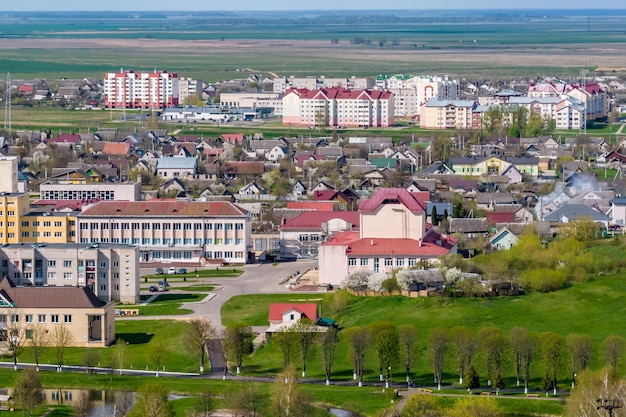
(398, 247)
(309, 310)
(232, 137)
(500, 217)
(340, 94)
(312, 205)
(164, 208)
(312, 220)
(394, 196)
(75, 205)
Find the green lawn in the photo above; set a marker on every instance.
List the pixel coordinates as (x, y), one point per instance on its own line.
(166, 304)
(192, 273)
(253, 310)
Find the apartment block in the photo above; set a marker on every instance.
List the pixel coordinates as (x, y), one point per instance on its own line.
(64, 190)
(171, 231)
(282, 84)
(110, 271)
(338, 107)
(412, 92)
(449, 114)
(8, 173)
(135, 90)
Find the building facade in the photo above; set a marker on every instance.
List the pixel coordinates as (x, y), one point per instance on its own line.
(110, 271)
(171, 231)
(136, 90)
(25, 310)
(448, 114)
(282, 84)
(63, 190)
(9, 174)
(412, 92)
(338, 107)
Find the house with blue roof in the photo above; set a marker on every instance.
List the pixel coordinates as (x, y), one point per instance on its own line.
(181, 167)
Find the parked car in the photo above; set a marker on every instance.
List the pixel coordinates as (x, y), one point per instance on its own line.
(171, 270)
(153, 288)
(158, 271)
(164, 283)
(182, 270)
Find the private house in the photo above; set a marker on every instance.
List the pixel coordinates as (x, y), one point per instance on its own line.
(495, 165)
(469, 228)
(572, 212)
(290, 314)
(173, 186)
(90, 320)
(251, 188)
(504, 239)
(176, 167)
(298, 190)
(617, 212)
(238, 169)
(393, 234)
(277, 153)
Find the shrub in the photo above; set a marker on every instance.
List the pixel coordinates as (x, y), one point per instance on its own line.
(390, 284)
(544, 279)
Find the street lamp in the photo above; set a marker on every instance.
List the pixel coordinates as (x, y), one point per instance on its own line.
(608, 405)
(388, 382)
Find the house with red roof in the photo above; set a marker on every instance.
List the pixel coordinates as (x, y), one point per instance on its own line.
(338, 107)
(393, 233)
(291, 313)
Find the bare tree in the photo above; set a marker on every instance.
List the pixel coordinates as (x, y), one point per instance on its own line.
(15, 336)
(580, 349)
(524, 345)
(552, 345)
(27, 391)
(237, 343)
(205, 403)
(466, 344)
(359, 339)
(246, 402)
(91, 357)
(613, 347)
(157, 352)
(328, 346)
(306, 332)
(39, 341)
(437, 347)
(196, 336)
(123, 403)
(408, 341)
(592, 388)
(62, 339)
(287, 400)
(84, 404)
(494, 343)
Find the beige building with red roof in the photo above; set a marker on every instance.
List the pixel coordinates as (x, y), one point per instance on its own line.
(90, 321)
(338, 107)
(393, 234)
(171, 231)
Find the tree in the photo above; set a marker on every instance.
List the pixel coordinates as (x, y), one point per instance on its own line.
(465, 344)
(421, 405)
(591, 390)
(287, 400)
(27, 391)
(493, 342)
(39, 341)
(83, 404)
(117, 356)
(359, 340)
(492, 120)
(287, 342)
(91, 357)
(62, 339)
(387, 345)
(613, 347)
(15, 336)
(524, 346)
(152, 402)
(441, 148)
(157, 352)
(552, 345)
(408, 341)
(328, 345)
(476, 407)
(580, 349)
(196, 336)
(433, 216)
(205, 403)
(237, 343)
(123, 402)
(437, 347)
(473, 379)
(247, 402)
(306, 332)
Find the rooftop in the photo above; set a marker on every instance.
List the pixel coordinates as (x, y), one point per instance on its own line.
(164, 208)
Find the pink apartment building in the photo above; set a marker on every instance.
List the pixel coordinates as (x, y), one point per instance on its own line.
(393, 234)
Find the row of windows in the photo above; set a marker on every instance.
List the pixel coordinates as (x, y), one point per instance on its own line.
(167, 241)
(158, 226)
(45, 234)
(41, 318)
(387, 261)
(223, 255)
(38, 223)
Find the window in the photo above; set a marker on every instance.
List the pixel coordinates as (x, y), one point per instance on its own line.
(412, 261)
(187, 241)
(364, 261)
(67, 318)
(400, 262)
(145, 226)
(28, 318)
(67, 264)
(177, 241)
(228, 226)
(187, 226)
(103, 287)
(52, 263)
(167, 226)
(25, 224)
(47, 224)
(177, 226)
(218, 226)
(219, 241)
(54, 318)
(376, 265)
(156, 241)
(208, 226)
(156, 226)
(238, 241)
(15, 318)
(52, 275)
(28, 333)
(135, 226)
(57, 224)
(104, 226)
(116, 287)
(41, 318)
(388, 262)
(187, 254)
(238, 226)
(58, 234)
(228, 254)
(25, 234)
(103, 264)
(197, 226)
(102, 275)
(208, 241)
(125, 226)
(229, 241)
(67, 275)
(351, 261)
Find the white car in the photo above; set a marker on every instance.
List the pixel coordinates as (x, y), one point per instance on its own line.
(172, 270)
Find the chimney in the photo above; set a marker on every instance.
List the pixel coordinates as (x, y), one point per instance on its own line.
(371, 242)
(420, 241)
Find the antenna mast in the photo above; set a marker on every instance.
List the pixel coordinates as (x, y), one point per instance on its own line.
(7, 104)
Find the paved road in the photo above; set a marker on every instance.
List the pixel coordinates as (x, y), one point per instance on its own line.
(256, 279)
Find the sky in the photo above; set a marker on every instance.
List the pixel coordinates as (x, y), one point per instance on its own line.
(147, 5)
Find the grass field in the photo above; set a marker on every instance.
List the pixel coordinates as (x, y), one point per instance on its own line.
(167, 304)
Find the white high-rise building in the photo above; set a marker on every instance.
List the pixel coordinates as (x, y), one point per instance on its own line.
(135, 90)
(8, 173)
(412, 92)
